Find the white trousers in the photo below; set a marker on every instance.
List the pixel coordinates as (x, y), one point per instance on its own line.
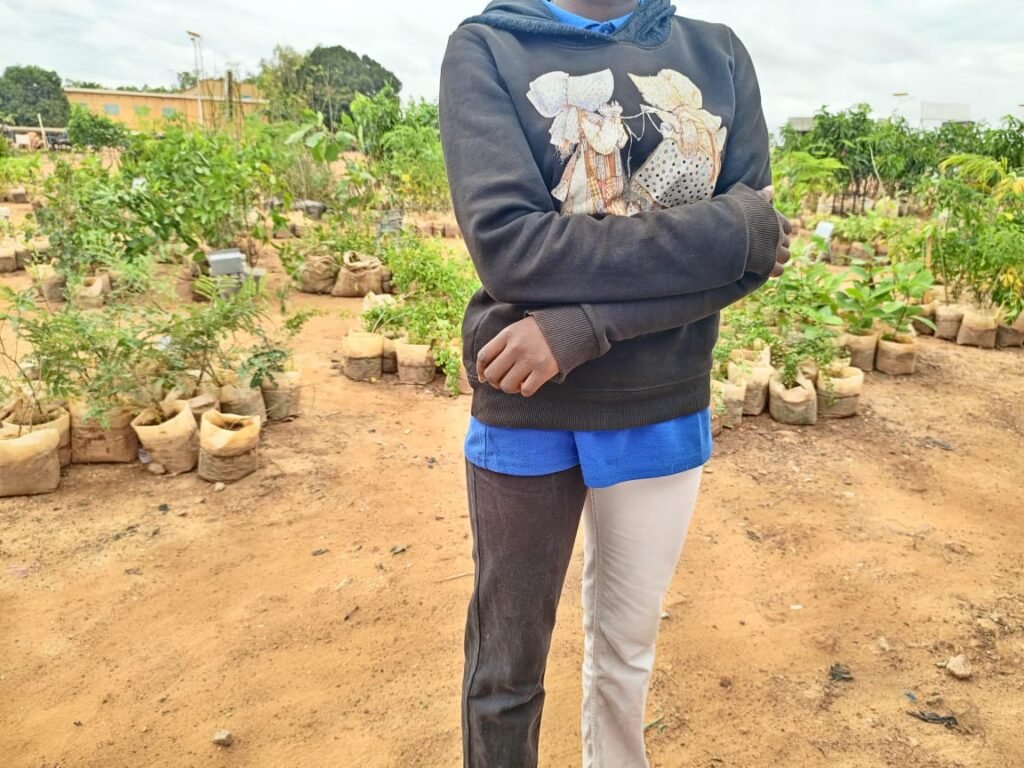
(633, 536)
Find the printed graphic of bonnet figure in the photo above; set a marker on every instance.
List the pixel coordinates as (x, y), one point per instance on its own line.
(588, 132)
(685, 166)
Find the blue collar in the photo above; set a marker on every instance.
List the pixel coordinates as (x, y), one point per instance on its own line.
(609, 27)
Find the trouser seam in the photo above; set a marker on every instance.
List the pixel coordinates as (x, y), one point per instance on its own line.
(594, 628)
(471, 677)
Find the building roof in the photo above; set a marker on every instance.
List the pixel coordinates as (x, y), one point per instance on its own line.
(152, 95)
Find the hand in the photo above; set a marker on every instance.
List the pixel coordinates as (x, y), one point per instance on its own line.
(785, 230)
(518, 360)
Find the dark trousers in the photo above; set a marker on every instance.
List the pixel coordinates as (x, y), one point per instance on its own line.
(524, 529)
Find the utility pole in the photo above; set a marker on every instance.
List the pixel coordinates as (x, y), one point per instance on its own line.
(197, 42)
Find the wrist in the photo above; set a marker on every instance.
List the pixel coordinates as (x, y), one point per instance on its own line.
(764, 232)
(569, 334)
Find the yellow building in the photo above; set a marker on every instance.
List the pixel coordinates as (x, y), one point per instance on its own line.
(208, 103)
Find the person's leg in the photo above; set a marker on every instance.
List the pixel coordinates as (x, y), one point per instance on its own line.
(634, 534)
(524, 529)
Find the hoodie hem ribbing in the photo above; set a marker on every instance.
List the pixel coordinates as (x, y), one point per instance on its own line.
(564, 408)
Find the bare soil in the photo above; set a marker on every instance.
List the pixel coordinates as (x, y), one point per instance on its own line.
(315, 609)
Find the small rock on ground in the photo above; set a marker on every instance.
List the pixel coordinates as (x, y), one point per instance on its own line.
(959, 667)
(219, 487)
(223, 738)
(156, 469)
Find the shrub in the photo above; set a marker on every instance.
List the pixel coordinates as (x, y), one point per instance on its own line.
(434, 289)
(201, 185)
(94, 131)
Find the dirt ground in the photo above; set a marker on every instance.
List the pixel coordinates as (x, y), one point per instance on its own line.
(315, 609)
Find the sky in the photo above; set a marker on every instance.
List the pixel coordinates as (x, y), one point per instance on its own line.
(808, 54)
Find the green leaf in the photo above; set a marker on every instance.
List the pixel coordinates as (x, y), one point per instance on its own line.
(332, 152)
(296, 137)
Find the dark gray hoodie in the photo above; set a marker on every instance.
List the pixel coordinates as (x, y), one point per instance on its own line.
(604, 185)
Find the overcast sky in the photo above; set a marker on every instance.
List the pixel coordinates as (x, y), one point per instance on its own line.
(807, 53)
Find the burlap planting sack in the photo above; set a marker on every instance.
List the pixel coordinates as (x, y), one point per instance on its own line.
(465, 388)
(25, 419)
(91, 293)
(797, 406)
(228, 447)
(29, 463)
(389, 360)
(204, 384)
(896, 358)
(203, 403)
(978, 329)
(358, 276)
(837, 366)
(22, 255)
(174, 443)
(318, 274)
(374, 300)
(948, 318)
(862, 349)
(242, 401)
(755, 380)
(108, 280)
(734, 395)
(1010, 335)
(839, 393)
(416, 364)
(363, 353)
(49, 284)
(8, 257)
(283, 396)
(362, 344)
(110, 440)
(40, 246)
(928, 314)
(755, 358)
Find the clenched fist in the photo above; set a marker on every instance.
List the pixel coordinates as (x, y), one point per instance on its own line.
(518, 360)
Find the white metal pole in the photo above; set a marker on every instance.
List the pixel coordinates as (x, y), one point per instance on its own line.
(41, 128)
(196, 42)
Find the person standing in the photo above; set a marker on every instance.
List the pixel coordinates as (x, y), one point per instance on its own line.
(609, 169)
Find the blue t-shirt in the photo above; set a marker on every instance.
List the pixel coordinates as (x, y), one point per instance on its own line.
(606, 458)
(607, 27)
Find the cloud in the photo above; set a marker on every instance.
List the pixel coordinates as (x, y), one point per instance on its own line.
(808, 54)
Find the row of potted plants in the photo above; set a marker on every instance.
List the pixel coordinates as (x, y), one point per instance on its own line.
(799, 348)
(110, 381)
(417, 331)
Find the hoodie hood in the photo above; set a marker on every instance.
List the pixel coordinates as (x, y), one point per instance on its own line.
(649, 25)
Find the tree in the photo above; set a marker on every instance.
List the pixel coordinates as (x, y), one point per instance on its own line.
(280, 82)
(88, 130)
(371, 117)
(84, 84)
(186, 80)
(28, 92)
(335, 75)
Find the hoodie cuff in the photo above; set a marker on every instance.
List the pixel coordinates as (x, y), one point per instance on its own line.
(571, 336)
(764, 232)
